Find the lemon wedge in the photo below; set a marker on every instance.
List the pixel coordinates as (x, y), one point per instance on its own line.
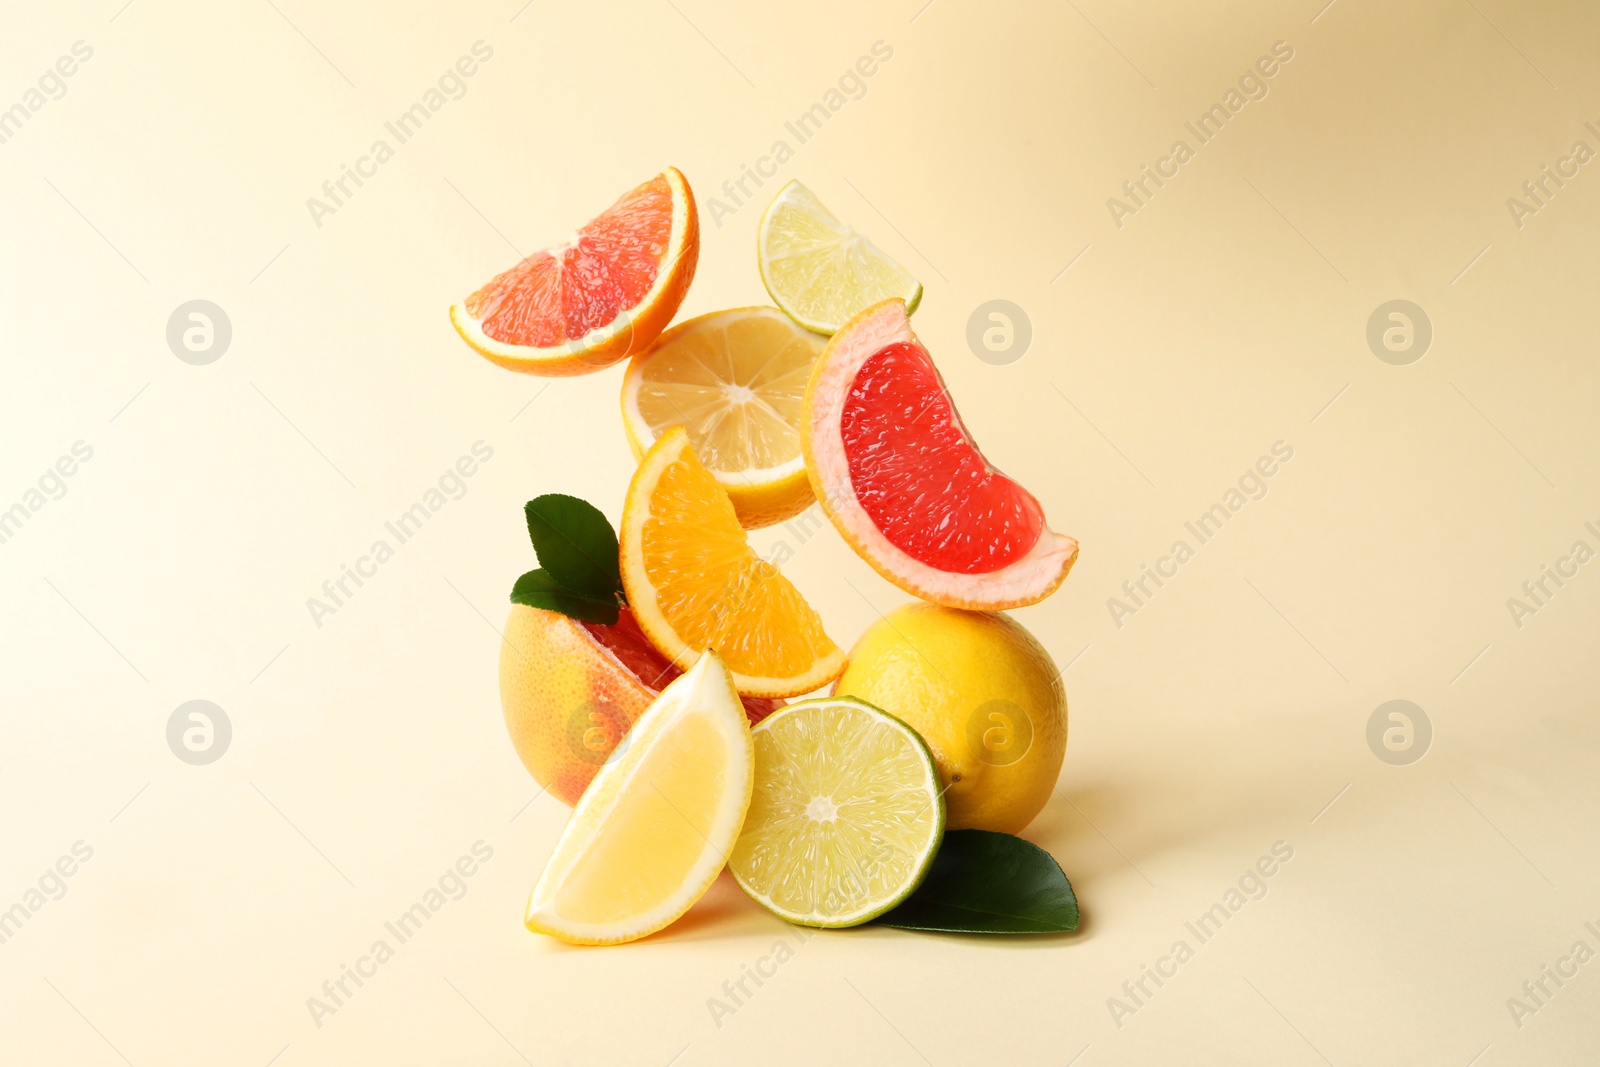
(654, 828)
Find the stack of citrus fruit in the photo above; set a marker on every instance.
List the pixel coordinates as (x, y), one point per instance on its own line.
(643, 674)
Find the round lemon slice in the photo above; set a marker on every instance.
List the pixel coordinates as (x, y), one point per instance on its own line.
(846, 816)
(820, 271)
(735, 381)
(652, 831)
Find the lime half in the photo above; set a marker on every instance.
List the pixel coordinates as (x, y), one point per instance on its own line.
(846, 814)
(820, 271)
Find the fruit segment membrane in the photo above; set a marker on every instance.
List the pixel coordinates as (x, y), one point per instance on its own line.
(561, 294)
(628, 643)
(713, 588)
(844, 815)
(920, 478)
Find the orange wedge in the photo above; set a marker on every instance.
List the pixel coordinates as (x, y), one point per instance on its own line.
(693, 581)
(603, 295)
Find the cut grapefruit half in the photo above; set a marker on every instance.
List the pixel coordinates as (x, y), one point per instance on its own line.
(603, 295)
(571, 690)
(906, 486)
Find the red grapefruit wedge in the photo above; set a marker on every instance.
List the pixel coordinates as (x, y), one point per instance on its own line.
(906, 486)
(605, 294)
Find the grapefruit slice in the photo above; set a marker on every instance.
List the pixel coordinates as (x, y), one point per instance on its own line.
(577, 307)
(570, 690)
(905, 484)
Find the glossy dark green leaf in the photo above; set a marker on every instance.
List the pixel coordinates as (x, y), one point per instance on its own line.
(988, 883)
(576, 545)
(538, 590)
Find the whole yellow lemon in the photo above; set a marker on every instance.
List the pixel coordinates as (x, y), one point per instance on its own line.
(984, 695)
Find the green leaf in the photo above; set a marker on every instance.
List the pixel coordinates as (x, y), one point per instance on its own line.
(988, 883)
(538, 590)
(576, 545)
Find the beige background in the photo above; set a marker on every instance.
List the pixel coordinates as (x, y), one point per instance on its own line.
(1226, 315)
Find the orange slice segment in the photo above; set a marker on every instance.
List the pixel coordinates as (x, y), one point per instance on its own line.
(606, 293)
(693, 582)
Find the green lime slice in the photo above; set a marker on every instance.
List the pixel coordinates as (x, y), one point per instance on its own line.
(820, 271)
(846, 814)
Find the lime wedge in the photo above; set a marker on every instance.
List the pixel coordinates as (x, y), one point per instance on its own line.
(846, 814)
(820, 271)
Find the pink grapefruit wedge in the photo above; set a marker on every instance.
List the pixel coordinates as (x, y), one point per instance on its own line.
(600, 297)
(905, 484)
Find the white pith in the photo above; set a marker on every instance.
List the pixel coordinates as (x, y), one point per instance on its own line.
(647, 434)
(1024, 581)
(472, 329)
(701, 690)
(823, 809)
(642, 601)
(847, 243)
